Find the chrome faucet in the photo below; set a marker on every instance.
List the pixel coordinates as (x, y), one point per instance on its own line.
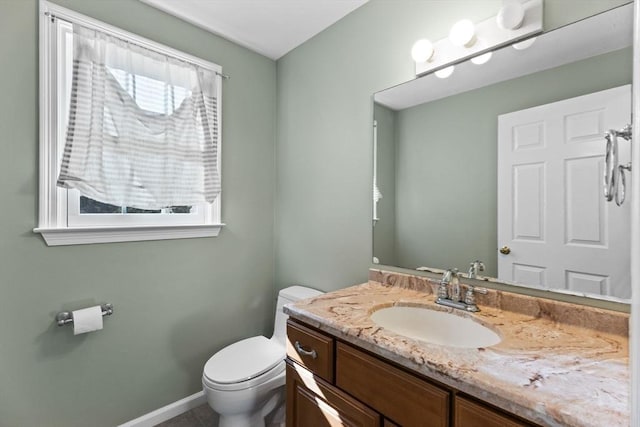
(449, 292)
(470, 298)
(474, 267)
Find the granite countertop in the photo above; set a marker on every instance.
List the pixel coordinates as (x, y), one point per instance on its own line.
(558, 364)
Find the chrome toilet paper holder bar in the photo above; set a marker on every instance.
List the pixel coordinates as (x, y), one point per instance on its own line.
(66, 317)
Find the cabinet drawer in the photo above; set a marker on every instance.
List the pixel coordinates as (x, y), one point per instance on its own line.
(312, 402)
(473, 414)
(311, 349)
(403, 398)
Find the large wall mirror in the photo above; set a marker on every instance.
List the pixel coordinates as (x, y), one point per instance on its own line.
(503, 162)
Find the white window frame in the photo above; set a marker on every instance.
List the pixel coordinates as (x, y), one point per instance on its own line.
(54, 213)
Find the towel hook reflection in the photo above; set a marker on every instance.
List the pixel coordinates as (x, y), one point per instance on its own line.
(614, 181)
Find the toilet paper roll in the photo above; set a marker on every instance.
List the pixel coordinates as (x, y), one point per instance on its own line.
(87, 320)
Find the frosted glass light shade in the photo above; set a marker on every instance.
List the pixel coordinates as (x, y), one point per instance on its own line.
(524, 44)
(422, 50)
(482, 59)
(445, 72)
(510, 16)
(463, 33)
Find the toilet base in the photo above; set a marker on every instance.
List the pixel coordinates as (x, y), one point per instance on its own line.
(257, 419)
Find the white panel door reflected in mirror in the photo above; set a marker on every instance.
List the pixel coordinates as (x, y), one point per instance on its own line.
(552, 213)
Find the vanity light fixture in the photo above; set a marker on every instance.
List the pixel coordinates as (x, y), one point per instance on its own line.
(445, 72)
(463, 33)
(524, 44)
(516, 20)
(510, 16)
(422, 50)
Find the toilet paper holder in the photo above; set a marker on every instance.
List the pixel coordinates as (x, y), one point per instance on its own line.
(65, 317)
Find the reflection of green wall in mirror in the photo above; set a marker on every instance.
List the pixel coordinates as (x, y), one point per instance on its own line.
(446, 155)
(384, 230)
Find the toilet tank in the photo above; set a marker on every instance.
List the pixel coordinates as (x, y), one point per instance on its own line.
(286, 296)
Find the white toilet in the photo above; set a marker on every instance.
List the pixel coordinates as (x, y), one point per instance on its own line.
(244, 381)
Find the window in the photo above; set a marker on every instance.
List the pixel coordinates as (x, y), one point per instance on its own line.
(137, 162)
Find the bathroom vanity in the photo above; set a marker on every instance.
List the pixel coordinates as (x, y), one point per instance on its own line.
(557, 364)
(322, 390)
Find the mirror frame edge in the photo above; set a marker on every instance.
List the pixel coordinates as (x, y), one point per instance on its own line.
(634, 321)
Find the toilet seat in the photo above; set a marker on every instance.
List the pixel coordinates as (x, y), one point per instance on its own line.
(274, 373)
(244, 364)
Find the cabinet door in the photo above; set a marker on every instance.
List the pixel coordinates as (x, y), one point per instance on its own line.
(311, 402)
(404, 398)
(472, 414)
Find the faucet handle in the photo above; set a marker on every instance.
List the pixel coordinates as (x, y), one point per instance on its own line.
(470, 297)
(474, 267)
(443, 291)
(477, 264)
(477, 289)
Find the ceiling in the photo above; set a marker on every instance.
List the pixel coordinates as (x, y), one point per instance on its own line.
(269, 27)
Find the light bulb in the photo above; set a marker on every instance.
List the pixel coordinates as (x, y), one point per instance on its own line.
(445, 72)
(524, 44)
(463, 33)
(482, 59)
(510, 16)
(422, 50)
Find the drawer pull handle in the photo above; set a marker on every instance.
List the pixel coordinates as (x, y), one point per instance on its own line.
(304, 352)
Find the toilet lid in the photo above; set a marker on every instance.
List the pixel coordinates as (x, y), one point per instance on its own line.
(244, 360)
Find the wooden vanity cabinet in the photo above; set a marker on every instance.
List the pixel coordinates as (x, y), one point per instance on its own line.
(331, 383)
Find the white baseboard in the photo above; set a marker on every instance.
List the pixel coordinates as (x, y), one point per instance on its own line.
(167, 412)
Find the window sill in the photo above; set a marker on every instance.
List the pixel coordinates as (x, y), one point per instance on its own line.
(83, 236)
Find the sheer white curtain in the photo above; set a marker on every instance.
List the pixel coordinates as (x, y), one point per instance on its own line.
(143, 128)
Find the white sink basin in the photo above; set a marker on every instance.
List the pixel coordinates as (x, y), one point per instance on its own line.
(435, 327)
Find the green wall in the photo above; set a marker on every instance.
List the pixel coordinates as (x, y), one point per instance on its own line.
(176, 302)
(324, 156)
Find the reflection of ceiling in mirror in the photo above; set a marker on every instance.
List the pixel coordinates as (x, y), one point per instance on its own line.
(599, 34)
